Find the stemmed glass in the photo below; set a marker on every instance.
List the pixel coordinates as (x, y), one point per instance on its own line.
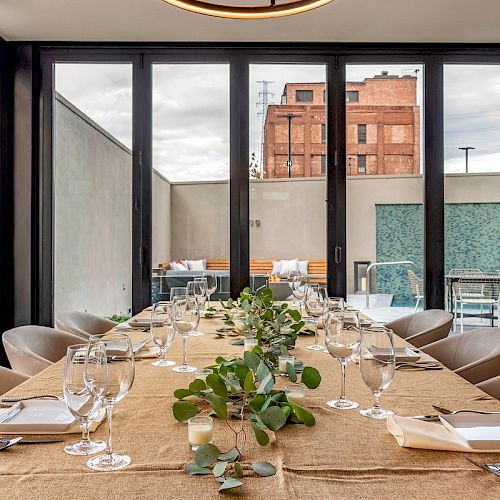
(200, 290)
(342, 342)
(177, 290)
(316, 302)
(109, 375)
(336, 304)
(194, 289)
(79, 401)
(162, 331)
(299, 285)
(377, 363)
(185, 319)
(211, 284)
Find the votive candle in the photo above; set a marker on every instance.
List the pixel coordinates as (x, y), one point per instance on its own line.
(249, 343)
(295, 394)
(200, 431)
(282, 362)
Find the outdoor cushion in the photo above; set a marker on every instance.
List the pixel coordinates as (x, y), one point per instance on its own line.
(276, 267)
(302, 266)
(196, 265)
(288, 266)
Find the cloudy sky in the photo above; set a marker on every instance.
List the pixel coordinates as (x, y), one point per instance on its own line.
(191, 110)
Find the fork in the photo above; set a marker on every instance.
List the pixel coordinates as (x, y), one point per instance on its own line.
(4, 444)
(450, 412)
(15, 399)
(493, 468)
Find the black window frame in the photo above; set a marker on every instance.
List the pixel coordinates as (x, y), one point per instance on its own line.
(361, 164)
(361, 133)
(310, 92)
(351, 93)
(28, 153)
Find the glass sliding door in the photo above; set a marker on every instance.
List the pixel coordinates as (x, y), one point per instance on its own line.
(472, 189)
(190, 175)
(384, 110)
(287, 169)
(92, 183)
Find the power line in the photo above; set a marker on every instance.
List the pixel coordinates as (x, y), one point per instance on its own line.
(264, 95)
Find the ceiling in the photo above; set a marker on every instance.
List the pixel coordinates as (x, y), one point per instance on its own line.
(341, 21)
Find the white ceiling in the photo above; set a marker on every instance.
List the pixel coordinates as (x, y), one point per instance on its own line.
(341, 21)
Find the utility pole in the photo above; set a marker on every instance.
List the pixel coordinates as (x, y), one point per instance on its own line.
(466, 149)
(289, 117)
(265, 96)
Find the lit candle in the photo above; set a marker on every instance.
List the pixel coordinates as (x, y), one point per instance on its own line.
(249, 343)
(200, 430)
(282, 362)
(295, 394)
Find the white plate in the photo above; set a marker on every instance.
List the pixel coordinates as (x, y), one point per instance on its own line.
(40, 416)
(481, 432)
(402, 354)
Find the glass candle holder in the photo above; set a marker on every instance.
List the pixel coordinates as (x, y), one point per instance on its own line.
(282, 361)
(203, 373)
(249, 343)
(295, 393)
(200, 431)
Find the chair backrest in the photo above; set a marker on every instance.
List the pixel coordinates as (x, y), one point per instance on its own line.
(423, 327)
(416, 283)
(32, 348)
(10, 379)
(476, 287)
(460, 271)
(83, 324)
(462, 349)
(491, 386)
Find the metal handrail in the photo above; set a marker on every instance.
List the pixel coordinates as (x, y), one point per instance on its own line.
(375, 264)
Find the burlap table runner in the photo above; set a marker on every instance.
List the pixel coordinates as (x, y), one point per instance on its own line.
(344, 456)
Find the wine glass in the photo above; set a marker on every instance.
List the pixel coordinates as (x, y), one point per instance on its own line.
(200, 290)
(336, 304)
(193, 289)
(377, 364)
(177, 290)
(299, 285)
(316, 302)
(342, 342)
(185, 319)
(211, 284)
(80, 402)
(109, 375)
(162, 331)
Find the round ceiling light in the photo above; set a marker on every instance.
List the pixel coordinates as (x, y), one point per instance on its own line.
(248, 12)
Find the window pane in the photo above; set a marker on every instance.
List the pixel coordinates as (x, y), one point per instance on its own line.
(93, 188)
(472, 180)
(190, 175)
(384, 187)
(287, 183)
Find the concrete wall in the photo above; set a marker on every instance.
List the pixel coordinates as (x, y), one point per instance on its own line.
(93, 216)
(161, 250)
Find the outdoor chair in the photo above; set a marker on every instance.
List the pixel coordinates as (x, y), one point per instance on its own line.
(473, 355)
(10, 379)
(423, 327)
(30, 349)
(417, 287)
(491, 387)
(83, 324)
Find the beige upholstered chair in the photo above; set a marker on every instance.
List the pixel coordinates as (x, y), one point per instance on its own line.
(32, 348)
(423, 327)
(83, 324)
(474, 355)
(491, 387)
(9, 379)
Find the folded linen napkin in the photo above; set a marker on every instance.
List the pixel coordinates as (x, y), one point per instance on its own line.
(412, 433)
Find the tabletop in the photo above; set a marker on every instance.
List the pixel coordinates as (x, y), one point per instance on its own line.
(344, 455)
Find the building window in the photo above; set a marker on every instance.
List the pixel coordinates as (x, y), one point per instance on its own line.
(323, 133)
(323, 164)
(361, 134)
(352, 96)
(324, 95)
(361, 164)
(304, 95)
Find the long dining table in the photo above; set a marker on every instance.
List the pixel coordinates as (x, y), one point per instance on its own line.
(345, 455)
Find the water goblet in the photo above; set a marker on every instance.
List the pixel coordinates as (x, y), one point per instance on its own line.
(194, 289)
(109, 375)
(81, 403)
(377, 364)
(185, 319)
(211, 284)
(342, 342)
(177, 290)
(162, 331)
(336, 304)
(299, 285)
(316, 306)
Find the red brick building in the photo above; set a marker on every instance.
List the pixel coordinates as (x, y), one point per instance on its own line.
(383, 128)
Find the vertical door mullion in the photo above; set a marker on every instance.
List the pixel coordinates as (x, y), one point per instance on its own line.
(336, 179)
(239, 177)
(142, 141)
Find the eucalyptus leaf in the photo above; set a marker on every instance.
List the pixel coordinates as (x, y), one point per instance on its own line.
(195, 470)
(251, 360)
(291, 372)
(304, 416)
(238, 469)
(266, 385)
(230, 456)
(248, 384)
(283, 350)
(260, 435)
(311, 377)
(264, 469)
(219, 404)
(184, 410)
(197, 385)
(273, 418)
(217, 385)
(183, 393)
(262, 371)
(230, 483)
(237, 342)
(206, 455)
(257, 402)
(295, 314)
(219, 468)
(241, 371)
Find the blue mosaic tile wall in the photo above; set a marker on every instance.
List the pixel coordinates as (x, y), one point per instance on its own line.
(472, 239)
